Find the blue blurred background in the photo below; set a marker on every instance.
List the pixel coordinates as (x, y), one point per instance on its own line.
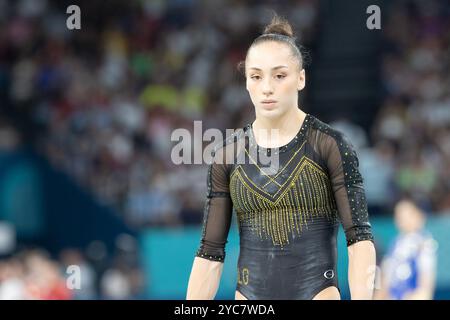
(86, 117)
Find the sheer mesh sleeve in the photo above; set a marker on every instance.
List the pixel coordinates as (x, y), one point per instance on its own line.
(348, 188)
(217, 212)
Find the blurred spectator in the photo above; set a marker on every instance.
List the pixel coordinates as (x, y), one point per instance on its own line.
(12, 283)
(353, 132)
(377, 167)
(124, 278)
(87, 290)
(115, 285)
(409, 268)
(9, 137)
(32, 275)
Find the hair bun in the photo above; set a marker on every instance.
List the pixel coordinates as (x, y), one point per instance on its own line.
(279, 25)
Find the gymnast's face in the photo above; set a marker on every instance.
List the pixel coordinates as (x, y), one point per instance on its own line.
(273, 74)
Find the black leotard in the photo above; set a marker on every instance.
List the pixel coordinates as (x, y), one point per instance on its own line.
(288, 220)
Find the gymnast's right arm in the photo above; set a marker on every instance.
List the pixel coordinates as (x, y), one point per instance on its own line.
(208, 263)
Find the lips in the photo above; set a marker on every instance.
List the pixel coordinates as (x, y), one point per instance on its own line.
(269, 104)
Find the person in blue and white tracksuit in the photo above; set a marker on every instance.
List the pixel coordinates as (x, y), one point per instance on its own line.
(409, 269)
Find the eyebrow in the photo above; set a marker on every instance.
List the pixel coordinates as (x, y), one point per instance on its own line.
(274, 68)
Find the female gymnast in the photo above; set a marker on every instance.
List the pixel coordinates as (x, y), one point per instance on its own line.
(288, 219)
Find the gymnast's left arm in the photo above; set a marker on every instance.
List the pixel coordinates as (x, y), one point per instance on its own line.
(361, 270)
(349, 193)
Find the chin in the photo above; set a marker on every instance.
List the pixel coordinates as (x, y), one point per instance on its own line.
(270, 113)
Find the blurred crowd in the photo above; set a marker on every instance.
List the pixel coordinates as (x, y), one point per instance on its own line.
(411, 151)
(33, 274)
(104, 100)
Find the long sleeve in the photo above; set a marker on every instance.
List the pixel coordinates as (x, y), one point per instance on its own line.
(217, 212)
(348, 188)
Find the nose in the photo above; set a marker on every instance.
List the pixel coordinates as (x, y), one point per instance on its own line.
(267, 87)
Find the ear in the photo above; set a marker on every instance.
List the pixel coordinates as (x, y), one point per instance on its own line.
(301, 80)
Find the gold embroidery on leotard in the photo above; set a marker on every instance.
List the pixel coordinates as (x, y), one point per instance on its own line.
(306, 194)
